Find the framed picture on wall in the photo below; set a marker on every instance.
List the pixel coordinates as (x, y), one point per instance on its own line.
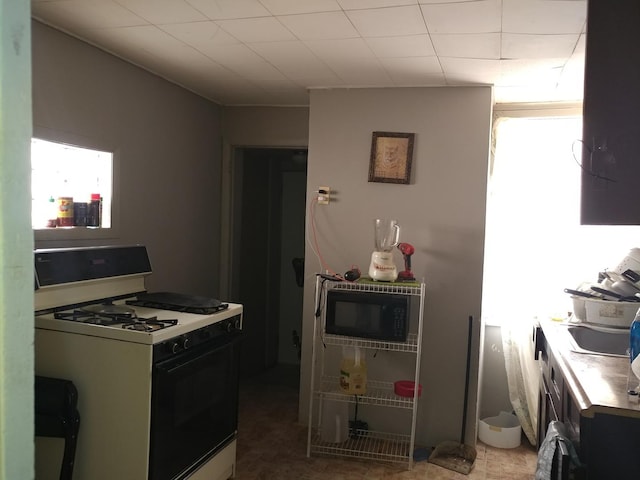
(391, 155)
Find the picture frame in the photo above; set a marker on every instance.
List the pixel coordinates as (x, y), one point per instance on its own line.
(391, 157)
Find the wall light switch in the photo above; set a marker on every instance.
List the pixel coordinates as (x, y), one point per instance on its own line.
(324, 194)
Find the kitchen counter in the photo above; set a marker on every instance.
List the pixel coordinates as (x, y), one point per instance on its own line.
(598, 383)
(587, 394)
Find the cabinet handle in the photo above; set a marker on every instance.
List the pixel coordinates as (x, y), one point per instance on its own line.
(538, 342)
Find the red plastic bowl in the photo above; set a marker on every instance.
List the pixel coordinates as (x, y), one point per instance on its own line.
(405, 388)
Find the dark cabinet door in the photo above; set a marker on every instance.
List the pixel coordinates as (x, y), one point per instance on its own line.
(611, 124)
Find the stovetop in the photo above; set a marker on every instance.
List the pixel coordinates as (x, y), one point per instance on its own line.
(100, 291)
(119, 316)
(119, 320)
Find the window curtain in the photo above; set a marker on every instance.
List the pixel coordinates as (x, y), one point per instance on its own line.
(535, 246)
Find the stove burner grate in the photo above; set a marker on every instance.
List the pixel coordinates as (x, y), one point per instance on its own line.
(178, 302)
(125, 319)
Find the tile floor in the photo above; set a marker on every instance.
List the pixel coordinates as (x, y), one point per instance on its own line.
(272, 445)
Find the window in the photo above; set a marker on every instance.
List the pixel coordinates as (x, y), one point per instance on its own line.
(60, 172)
(535, 246)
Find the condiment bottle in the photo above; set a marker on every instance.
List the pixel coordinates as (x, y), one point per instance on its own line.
(93, 212)
(353, 373)
(65, 211)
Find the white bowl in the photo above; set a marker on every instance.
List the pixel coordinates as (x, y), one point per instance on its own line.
(579, 308)
(609, 313)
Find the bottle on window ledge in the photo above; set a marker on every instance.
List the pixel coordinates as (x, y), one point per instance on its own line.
(52, 213)
(93, 212)
(65, 211)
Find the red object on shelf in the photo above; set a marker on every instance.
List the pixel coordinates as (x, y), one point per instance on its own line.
(405, 388)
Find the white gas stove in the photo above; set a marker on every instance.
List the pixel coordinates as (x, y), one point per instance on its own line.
(132, 356)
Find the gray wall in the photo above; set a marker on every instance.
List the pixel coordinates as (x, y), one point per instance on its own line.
(170, 147)
(442, 213)
(168, 151)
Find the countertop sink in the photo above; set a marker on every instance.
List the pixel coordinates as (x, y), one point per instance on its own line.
(599, 342)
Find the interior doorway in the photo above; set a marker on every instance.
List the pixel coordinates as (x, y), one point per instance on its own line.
(268, 219)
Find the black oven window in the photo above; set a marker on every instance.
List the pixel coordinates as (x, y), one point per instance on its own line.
(194, 409)
(360, 316)
(195, 394)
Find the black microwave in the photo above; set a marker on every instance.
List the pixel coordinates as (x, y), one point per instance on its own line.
(379, 316)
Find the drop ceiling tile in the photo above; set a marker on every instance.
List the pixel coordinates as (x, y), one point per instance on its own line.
(483, 16)
(365, 4)
(163, 11)
(200, 34)
(581, 45)
(537, 46)
(225, 9)
(529, 72)
(534, 16)
(85, 14)
(232, 56)
(295, 61)
(404, 46)
(289, 96)
(340, 48)
(469, 45)
(470, 70)
(429, 2)
(388, 22)
(293, 7)
(261, 73)
(314, 26)
(265, 29)
(361, 72)
(135, 41)
(415, 71)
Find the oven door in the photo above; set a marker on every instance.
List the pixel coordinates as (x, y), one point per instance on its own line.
(194, 407)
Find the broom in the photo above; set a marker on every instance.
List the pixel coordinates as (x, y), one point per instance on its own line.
(453, 455)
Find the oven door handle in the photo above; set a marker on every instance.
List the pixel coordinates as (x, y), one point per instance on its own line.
(190, 357)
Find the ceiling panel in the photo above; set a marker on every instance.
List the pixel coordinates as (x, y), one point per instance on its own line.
(388, 22)
(319, 26)
(163, 11)
(466, 17)
(402, 46)
(229, 9)
(467, 45)
(270, 52)
(535, 16)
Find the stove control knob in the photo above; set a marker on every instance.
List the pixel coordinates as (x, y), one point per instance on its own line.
(173, 347)
(186, 343)
(236, 324)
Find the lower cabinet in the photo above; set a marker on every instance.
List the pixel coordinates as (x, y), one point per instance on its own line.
(608, 445)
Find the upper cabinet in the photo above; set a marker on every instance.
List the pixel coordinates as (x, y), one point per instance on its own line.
(611, 117)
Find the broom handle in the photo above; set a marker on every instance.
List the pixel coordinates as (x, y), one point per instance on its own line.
(466, 382)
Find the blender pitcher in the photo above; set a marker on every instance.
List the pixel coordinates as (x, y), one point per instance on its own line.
(386, 236)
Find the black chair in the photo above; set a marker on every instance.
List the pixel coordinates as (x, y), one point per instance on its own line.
(56, 415)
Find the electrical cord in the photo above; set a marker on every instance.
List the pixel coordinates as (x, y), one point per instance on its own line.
(312, 237)
(588, 171)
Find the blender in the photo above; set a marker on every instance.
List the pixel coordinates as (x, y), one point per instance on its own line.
(386, 236)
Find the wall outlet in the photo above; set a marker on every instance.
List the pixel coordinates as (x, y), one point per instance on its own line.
(324, 194)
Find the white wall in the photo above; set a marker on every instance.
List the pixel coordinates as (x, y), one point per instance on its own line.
(441, 212)
(16, 244)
